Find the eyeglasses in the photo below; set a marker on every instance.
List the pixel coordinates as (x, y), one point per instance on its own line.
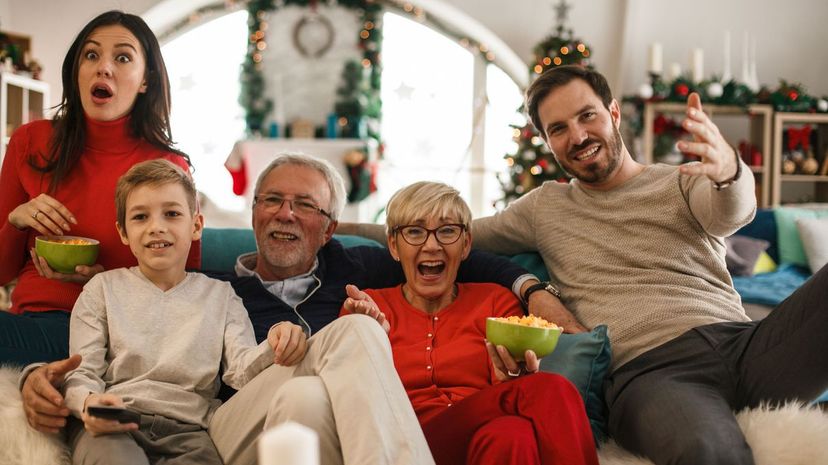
(446, 234)
(273, 203)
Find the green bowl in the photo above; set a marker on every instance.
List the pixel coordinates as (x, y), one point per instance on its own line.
(519, 338)
(63, 258)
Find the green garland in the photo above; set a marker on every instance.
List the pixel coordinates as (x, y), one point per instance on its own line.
(788, 97)
(252, 80)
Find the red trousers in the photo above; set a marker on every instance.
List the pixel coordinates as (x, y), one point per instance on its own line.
(535, 419)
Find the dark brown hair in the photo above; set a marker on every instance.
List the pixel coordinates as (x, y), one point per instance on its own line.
(156, 173)
(553, 78)
(150, 115)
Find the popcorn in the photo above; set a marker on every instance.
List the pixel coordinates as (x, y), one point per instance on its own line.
(529, 320)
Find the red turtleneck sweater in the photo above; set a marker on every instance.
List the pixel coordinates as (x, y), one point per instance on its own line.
(88, 192)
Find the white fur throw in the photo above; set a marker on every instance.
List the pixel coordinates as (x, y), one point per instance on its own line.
(790, 435)
(20, 444)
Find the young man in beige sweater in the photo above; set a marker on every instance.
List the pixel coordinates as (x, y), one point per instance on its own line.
(641, 249)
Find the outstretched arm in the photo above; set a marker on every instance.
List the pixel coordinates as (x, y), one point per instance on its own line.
(720, 189)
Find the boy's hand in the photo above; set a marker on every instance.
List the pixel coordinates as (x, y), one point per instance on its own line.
(42, 402)
(360, 302)
(289, 343)
(98, 426)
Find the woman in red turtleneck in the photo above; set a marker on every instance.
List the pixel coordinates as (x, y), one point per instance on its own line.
(58, 177)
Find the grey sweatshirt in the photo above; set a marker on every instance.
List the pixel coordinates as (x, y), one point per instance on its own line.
(161, 350)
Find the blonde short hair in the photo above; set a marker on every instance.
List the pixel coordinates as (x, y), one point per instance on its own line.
(155, 173)
(426, 199)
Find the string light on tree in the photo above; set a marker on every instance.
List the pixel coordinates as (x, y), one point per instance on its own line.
(532, 164)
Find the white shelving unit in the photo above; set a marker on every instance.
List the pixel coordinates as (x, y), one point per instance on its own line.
(22, 99)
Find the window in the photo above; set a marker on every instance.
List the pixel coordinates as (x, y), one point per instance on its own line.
(204, 65)
(429, 110)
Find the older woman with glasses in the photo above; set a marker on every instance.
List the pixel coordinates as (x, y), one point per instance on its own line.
(470, 410)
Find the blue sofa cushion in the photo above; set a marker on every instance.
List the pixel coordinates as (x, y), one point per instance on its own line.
(763, 227)
(771, 288)
(584, 359)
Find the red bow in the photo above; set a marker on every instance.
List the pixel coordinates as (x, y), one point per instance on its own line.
(799, 137)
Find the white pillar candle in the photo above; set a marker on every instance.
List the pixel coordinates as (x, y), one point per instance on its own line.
(726, 74)
(655, 64)
(675, 71)
(697, 64)
(289, 444)
(745, 59)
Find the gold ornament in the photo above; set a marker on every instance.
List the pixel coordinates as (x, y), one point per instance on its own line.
(809, 165)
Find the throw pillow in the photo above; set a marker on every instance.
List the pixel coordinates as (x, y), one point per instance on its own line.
(584, 359)
(764, 264)
(814, 236)
(742, 254)
(790, 245)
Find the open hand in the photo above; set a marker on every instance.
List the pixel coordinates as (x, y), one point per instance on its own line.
(81, 275)
(98, 426)
(42, 402)
(718, 159)
(43, 214)
(360, 302)
(289, 343)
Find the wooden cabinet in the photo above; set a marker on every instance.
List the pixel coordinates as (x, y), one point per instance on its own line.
(797, 188)
(22, 99)
(759, 120)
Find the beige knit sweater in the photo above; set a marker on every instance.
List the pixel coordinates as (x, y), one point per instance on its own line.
(646, 258)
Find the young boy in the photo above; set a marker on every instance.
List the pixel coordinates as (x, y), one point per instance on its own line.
(153, 337)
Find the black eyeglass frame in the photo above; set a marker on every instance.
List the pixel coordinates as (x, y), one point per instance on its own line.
(429, 232)
(259, 198)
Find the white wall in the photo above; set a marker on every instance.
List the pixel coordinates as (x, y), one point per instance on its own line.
(790, 34)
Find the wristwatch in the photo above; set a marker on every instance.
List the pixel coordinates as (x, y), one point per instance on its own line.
(541, 286)
(725, 184)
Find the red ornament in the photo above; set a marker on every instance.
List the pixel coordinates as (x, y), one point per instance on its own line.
(543, 163)
(793, 95)
(659, 124)
(682, 89)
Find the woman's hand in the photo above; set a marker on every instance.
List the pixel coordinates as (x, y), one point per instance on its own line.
(43, 214)
(289, 343)
(81, 275)
(98, 426)
(506, 367)
(360, 302)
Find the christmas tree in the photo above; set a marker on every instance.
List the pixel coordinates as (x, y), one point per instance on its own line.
(351, 102)
(532, 164)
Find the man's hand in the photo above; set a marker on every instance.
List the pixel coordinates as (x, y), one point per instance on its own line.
(548, 307)
(289, 343)
(360, 302)
(506, 367)
(718, 159)
(42, 402)
(98, 426)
